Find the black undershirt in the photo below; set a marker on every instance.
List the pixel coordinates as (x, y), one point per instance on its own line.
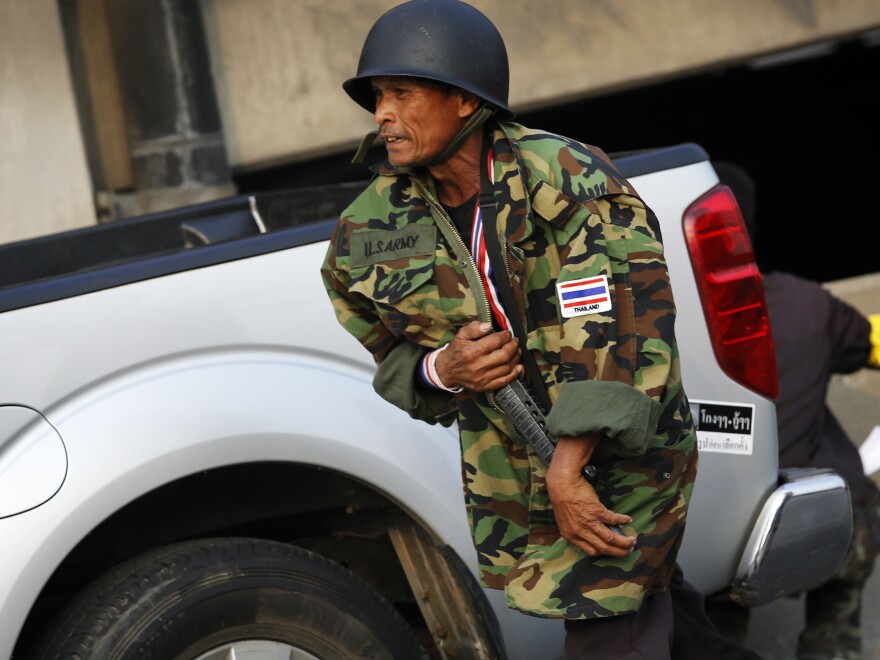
(463, 217)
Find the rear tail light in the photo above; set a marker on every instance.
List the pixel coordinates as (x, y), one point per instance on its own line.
(731, 291)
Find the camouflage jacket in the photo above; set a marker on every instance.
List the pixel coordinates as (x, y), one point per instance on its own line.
(402, 282)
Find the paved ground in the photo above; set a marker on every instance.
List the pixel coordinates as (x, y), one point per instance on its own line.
(774, 628)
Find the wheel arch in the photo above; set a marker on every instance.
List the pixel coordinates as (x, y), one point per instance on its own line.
(327, 512)
(238, 441)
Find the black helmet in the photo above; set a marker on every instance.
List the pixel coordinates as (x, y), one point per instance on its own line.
(443, 40)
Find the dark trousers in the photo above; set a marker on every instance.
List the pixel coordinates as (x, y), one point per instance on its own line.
(671, 625)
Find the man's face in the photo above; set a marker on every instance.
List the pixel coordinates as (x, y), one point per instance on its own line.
(416, 118)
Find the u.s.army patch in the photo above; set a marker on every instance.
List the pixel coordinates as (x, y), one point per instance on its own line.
(588, 295)
(373, 246)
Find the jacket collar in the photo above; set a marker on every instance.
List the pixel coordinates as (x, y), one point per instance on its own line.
(518, 189)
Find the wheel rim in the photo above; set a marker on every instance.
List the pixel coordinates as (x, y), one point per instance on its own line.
(257, 649)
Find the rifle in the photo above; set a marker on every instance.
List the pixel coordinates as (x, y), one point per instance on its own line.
(528, 419)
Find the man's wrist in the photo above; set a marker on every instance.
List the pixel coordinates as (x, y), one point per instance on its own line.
(577, 450)
(429, 371)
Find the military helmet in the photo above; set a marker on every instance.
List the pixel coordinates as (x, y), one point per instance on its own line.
(443, 40)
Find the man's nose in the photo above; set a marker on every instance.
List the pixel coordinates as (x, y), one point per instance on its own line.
(383, 112)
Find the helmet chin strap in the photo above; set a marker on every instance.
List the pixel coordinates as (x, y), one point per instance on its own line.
(482, 114)
(364, 147)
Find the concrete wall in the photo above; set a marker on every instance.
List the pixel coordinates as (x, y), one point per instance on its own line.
(44, 179)
(104, 98)
(280, 64)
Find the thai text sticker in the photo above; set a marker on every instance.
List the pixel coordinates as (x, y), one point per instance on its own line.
(725, 428)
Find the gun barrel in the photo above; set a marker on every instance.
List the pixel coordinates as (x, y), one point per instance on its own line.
(529, 421)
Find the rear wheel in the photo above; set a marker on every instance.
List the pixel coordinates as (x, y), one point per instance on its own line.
(257, 650)
(225, 598)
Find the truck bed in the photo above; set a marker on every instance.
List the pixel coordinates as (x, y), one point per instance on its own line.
(63, 265)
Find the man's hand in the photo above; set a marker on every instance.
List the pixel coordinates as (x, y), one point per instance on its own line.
(583, 520)
(479, 360)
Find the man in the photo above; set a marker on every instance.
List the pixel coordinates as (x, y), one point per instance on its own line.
(410, 275)
(816, 335)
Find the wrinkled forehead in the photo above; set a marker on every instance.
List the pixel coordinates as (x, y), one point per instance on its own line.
(379, 82)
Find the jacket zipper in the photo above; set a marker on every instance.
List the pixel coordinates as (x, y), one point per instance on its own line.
(466, 262)
(470, 268)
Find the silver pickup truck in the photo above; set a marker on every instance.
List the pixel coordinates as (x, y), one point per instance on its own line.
(194, 465)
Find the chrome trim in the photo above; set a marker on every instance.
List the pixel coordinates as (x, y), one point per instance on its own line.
(255, 214)
(799, 539)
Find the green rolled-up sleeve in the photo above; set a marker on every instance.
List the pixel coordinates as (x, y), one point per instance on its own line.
(615, 409)
(398, 381)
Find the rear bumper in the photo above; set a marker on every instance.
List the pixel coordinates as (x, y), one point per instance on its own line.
(799, 539)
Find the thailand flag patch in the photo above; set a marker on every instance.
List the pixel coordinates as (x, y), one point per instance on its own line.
(589, 295)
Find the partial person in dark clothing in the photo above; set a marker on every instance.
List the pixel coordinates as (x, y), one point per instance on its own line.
(816, 336)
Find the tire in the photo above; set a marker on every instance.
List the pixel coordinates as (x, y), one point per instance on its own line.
(204, 599)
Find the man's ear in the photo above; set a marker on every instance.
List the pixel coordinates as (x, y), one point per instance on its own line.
(469, 103)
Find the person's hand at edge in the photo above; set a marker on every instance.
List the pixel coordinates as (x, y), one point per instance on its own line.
(874, 357)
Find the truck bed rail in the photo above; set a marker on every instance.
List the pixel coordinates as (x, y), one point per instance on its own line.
(80, 261)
